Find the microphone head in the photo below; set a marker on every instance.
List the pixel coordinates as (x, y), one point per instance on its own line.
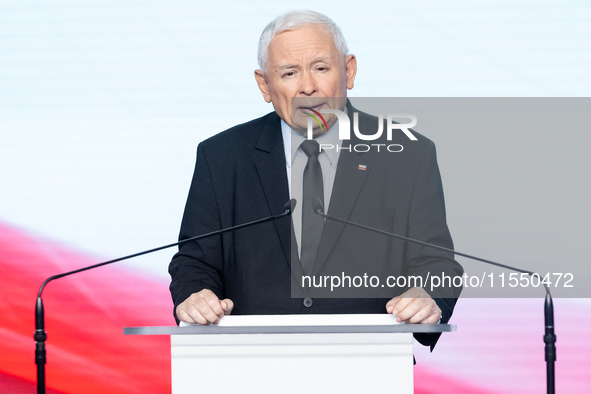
(289, 207)
(317, 205)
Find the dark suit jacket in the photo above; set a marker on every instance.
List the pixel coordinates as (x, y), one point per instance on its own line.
(240, 176)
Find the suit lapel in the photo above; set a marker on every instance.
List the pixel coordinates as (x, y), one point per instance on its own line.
(269, 158)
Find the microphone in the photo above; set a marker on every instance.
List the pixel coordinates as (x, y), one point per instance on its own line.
(290, 206)
(40, 334)
(549, 337)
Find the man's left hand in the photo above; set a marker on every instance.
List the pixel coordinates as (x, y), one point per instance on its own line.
(414, 306)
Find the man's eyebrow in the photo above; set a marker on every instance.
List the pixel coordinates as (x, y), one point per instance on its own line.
(287, 66)
(291, 66)
(321, 60)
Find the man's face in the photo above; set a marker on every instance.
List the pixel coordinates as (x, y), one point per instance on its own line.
(306, 63)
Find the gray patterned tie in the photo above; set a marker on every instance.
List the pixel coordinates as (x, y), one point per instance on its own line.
(312, 224)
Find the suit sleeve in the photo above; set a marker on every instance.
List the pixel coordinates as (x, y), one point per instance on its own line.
(198, 265)
(427, 222)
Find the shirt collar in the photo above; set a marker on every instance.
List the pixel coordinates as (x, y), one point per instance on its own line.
(292, 141)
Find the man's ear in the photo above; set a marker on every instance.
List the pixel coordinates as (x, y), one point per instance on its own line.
(351, 70)
(263, 85)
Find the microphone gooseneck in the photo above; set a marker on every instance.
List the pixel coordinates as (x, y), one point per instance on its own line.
(549, 337)
(40, 335)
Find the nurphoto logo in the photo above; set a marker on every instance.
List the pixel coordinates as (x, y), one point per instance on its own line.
(345, 129)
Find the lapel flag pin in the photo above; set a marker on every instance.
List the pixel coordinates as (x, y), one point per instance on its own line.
(362, 167)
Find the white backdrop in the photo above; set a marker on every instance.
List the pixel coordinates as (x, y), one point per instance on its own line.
(102, 103)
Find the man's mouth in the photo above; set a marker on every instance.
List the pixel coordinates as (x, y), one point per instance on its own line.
(312, 108)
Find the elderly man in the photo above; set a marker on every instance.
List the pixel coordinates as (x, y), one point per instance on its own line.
(244, 173)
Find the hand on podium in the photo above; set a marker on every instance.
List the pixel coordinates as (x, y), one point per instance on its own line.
(414, 306)
(204, 308)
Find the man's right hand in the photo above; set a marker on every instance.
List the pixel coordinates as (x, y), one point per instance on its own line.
(204, 308)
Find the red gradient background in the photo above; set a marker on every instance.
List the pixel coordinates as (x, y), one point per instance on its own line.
(498, 347)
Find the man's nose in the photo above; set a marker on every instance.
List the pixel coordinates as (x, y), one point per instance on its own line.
(307, 85)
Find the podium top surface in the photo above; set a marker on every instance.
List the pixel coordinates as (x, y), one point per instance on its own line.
(294, 324)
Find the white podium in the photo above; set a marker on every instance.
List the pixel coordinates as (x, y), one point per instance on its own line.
(300, 354)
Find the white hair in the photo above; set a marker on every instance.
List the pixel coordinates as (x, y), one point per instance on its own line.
(294, 20)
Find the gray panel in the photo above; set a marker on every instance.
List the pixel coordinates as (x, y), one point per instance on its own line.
(214, 330)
